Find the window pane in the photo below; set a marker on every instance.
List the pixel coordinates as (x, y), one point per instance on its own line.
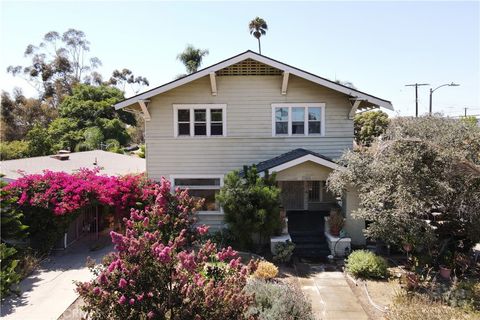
(209, 195)
(281, 127)
(314, 127)
(200, 129)
(184, 129)
(281, 114)
(298, 114)
(200, 115)
(216, 129)
(314, 114)
(197, 182)
(298, 128)
(183, 115)
(314, 191)
(216, 114)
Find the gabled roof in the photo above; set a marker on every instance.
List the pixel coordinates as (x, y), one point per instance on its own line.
(265, 60)
(295, 157)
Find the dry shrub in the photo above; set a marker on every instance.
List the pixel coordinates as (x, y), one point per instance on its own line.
(414, 307)
(266, 270)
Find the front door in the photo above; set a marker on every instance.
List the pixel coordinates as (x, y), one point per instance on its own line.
(292, 195)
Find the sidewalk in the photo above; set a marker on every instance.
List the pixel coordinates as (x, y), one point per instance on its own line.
(331, 297)
(49, 290)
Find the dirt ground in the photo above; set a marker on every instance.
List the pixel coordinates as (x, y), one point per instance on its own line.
(380, 295)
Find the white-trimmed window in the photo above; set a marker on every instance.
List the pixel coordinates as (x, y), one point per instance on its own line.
(197, 120)
(202, 187)
(298, 119)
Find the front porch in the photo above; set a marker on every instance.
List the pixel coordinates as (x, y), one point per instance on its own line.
(301, 176)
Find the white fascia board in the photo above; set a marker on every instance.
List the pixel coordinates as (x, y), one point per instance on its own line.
(305, 158)
(285, 68)
(182, 81)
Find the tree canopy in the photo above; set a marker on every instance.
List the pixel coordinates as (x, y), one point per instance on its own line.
(369, 125)
(419, 185)
(72, 97)
(192, 58)
(258, 27)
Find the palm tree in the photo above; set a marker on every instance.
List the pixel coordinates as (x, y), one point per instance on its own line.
(258, 27)
(192, 57)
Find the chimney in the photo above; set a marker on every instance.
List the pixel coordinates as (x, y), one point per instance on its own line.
(61, 157)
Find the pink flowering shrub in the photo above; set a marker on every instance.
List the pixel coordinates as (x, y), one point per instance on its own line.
(159, 271)
(64, 193)
(50, 200)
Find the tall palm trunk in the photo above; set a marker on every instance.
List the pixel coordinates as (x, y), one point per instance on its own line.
(259, 46)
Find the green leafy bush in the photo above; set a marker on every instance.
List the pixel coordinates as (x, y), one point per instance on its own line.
(252, 207)
(278, 301)
(284, 251)
(141, 153)
(14, 150)
(8, 273)
(366, 264)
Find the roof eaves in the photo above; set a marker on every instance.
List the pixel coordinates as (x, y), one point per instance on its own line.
(264, 59)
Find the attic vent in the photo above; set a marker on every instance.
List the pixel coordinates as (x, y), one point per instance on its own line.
(61, 157)
(249, 67)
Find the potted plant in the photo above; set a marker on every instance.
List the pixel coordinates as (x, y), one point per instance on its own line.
(446, 265)
(335, 222)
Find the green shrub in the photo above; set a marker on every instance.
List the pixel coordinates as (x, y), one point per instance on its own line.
(278, 301)
(284, 251)
(252, 207)
(366, 264)
(8, 273)
(141, 153)
(14, 150)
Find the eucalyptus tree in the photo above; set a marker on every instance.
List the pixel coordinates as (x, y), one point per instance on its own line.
(57, 63)
(192, 58)
(258, 28)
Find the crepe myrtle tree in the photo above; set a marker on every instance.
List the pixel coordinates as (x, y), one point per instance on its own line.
(420, 185)
(157, 272)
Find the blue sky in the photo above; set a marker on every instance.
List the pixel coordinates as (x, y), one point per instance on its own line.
(379, 46)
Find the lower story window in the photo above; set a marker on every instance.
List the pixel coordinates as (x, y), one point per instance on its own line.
(201, 188)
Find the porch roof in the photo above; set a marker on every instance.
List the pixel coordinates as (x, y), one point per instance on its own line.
(295, 157)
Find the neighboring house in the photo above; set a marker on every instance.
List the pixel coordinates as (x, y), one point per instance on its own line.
(251, 109)
(109, 163)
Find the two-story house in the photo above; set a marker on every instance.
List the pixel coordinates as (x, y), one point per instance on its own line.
(251, 109)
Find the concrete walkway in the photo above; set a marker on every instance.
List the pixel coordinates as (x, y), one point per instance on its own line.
(49, 290)
(331, 297)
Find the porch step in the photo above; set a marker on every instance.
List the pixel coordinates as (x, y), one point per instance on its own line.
(317, 249)
(311, 253)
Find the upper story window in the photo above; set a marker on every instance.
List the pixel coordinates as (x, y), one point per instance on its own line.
(298, 119)
(196, 120)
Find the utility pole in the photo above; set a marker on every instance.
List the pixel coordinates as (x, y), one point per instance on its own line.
(416, 85)
(465, 111)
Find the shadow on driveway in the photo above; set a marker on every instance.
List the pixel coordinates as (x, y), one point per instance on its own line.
(49, 290)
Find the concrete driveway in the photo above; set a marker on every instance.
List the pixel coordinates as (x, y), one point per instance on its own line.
(49, 290)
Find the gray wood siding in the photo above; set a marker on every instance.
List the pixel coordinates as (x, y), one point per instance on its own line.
(249, 125)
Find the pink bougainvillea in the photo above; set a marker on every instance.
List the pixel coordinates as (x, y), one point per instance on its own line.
(160, 271)
(65, 193)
